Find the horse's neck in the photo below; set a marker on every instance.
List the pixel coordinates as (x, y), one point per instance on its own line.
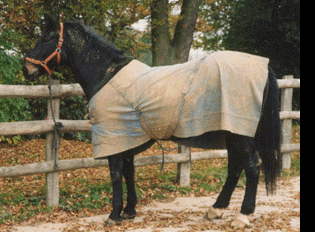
(94, 70)
(90, 77)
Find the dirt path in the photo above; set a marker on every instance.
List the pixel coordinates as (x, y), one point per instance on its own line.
(276, 213)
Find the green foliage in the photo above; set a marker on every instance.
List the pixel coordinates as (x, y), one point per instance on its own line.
(31, 206)
(111, 18)
(91, 197)
(11, 109)
(214, 23)
(269, 28)
(75, 108)
(10, 65)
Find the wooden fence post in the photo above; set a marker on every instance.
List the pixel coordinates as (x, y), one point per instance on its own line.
(286, 124)
(52, 179)
(183, 169)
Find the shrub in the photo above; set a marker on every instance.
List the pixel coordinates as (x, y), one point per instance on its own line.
(12, 109)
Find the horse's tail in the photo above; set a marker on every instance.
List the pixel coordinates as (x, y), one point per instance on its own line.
(268, 134)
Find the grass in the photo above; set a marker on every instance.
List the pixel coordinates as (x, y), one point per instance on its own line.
(88, 192)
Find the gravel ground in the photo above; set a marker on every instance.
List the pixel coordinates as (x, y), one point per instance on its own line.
(276, 213)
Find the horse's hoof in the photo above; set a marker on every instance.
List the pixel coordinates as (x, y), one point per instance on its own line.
(126, 216)
(241, 221)
(111, 222)
(213, 214)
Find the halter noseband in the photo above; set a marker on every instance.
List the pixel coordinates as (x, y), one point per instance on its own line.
(55, 53)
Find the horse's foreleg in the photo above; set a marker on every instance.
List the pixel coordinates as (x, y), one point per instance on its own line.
(116, 174)
(129, 175)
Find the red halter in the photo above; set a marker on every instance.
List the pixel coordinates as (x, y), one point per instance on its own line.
(55, 53)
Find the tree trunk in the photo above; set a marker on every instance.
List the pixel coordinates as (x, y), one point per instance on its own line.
(165, 50)
(161, 40)
(184, 33)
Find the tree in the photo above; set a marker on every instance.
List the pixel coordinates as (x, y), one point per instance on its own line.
(172, 35)
(111, 18)
(213, 23)
(167, 50)
(269, 28)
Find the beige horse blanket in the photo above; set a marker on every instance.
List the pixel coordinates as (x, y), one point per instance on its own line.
(222, 91)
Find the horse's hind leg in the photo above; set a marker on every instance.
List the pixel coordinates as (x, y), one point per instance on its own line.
(129, 175)
(242, 154)
(252, 170)
(116, 174)
(236, 161)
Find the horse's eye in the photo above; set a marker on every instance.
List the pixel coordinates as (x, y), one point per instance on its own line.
(48, 37)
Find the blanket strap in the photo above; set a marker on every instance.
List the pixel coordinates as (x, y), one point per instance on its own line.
(177, 113)
(179, 108)
(171, 127)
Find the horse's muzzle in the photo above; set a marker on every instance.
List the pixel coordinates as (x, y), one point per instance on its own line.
(30, 71)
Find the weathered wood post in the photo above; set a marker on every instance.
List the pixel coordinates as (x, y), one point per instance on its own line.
(52, 179)
(183, 169)
(286, 124)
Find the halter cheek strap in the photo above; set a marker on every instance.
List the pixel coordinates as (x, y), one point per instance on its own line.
(55, 53)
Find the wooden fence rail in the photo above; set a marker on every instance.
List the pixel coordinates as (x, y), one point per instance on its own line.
(41, 91)
(43, 127)
(46, 127)
(66, 165)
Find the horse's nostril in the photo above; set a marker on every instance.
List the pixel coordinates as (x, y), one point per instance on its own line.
(24, 69)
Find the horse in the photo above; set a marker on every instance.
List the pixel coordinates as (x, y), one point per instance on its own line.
(96, 62)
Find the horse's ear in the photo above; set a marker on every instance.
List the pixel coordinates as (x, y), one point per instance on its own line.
(51, 24)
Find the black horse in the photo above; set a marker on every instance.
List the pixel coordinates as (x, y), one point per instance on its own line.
(95, 61)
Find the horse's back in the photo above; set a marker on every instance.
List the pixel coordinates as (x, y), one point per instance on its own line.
(219, 92)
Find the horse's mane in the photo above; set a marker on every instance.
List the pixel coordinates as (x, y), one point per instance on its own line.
(94, 55)
(96, 39)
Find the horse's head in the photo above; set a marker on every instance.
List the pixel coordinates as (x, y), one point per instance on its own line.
(47, 52)
(92, 59)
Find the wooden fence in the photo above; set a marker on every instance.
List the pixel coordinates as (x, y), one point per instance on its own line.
(46, 127)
